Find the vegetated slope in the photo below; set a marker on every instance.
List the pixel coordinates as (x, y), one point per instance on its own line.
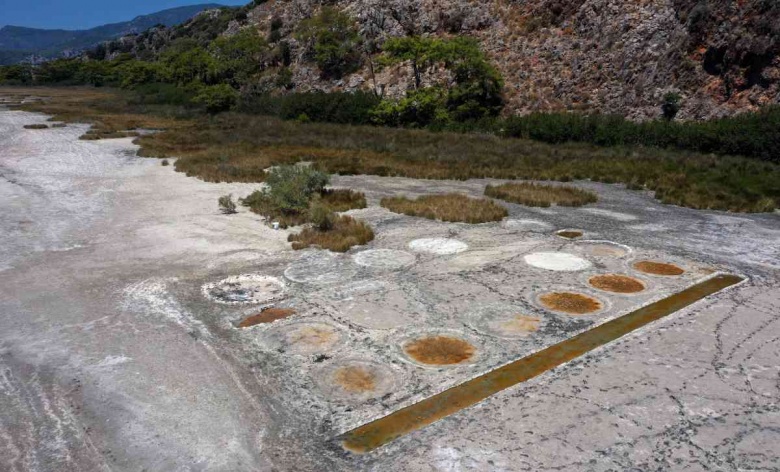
(609, 56)
(18, 43)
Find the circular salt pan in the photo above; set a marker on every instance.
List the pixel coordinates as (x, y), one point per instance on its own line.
(504, 321)
(356, 380)
(558, 261)
(439, 246)
(320, 268)
(247, 288)
(303, 338)
(384, 259)
(604, 249)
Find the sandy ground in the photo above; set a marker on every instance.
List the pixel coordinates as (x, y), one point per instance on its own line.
(113, 356)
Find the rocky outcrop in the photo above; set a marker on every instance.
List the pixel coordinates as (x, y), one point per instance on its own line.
(610, 56)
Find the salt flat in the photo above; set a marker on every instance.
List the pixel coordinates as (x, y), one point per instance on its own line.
(121, 287)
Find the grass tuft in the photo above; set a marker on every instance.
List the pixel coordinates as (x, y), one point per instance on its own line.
(452, 207)
(345, 233)
(541, 195)
(340, 200)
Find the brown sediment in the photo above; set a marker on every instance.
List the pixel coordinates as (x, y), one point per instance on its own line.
(571, 303)
(355, 379)
(616, 283)
(373, 435)
(658, 268)
(440, 350)
(312, 336)
(266, 316)
(569, 234)
(520, 324)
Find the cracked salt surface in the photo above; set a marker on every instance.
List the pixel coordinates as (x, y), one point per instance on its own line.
(438, 246)
(384, 259)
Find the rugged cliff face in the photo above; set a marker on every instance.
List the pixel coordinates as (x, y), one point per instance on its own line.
(612, 56)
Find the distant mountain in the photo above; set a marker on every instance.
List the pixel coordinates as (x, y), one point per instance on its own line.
(18, 43)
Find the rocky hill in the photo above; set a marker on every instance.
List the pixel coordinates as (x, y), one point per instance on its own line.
(611, 56)
(18, 43)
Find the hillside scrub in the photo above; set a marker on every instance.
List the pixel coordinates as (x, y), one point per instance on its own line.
(451, 207)
(540, 195)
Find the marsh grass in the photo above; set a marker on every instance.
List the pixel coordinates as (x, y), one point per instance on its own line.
(452, 207)
(340, 200)
(345, 233)
(541, 195)
(238, 148)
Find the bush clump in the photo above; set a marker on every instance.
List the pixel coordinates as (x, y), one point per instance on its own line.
(296, 194)
(541, 195)
(288, 193)
(217, 98)
(337, 107)
(451, 207)
(344, 233)
(227, 205)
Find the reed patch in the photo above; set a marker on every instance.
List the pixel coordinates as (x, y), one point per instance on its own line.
(451, 207)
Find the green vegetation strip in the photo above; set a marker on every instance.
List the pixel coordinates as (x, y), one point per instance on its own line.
(384, 430)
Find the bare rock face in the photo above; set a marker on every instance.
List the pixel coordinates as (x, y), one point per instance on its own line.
(607, 56)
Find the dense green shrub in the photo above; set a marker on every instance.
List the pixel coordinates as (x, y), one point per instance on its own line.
(158, 93)
(339, 107)
(216, 98)
(290, 188)
(417, 109)
(749, 134)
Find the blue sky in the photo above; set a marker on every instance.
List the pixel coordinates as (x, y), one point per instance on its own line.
(81, 14)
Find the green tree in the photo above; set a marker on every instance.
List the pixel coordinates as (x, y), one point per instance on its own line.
(237, 58)
(185, 61)
(420, 52)
(134, 73)
(333, 40)
(474, 93)
(671, 105)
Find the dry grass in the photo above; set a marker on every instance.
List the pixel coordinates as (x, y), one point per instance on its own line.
(452, 207)
(540, 195)
(340, 200)
(237, 148)
(346, 233)
(36, 126)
